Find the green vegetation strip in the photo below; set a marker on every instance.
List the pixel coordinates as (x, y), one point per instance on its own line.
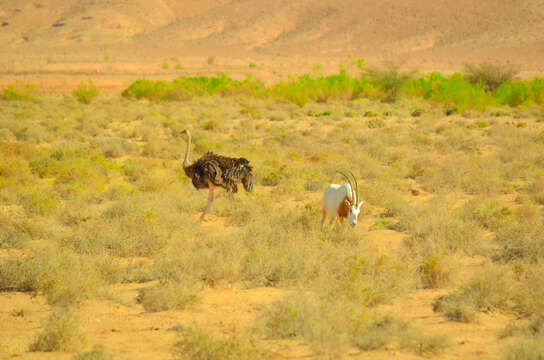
(457, 92)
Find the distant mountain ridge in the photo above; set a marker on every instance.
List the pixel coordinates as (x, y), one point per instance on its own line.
(502, 29)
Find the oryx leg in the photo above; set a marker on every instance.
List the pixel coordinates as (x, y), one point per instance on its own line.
(323, 217)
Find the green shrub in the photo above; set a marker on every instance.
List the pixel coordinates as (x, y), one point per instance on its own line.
(521, 92)
(61, 333)
(458, 93)
(455, 92)
(20, 92)
(425, 86)
(186, 87)
(153, 90)
(86, 92)
(299, 90)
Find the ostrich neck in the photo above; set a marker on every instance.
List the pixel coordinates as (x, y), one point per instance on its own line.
(187, 150)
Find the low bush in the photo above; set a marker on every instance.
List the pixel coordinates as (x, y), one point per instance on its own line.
(67, 281)
(485, 85)
(521, 238)
(524, 349)
(218, 260)
(436, 271)
(423, 343)
(490, 214)
(61, 333)
(492, 289)
(198, 344)
(86, 92)
(437, 228)
(62, 278)
(171, 296)
(454, 92)
(490, 74)
(186, 87)
(18, 274)
(97, 353)
(129, 227)
(521, 92)
(319, 88)
(40, 202)
(371, 332)
(390, 79)
(15, 234)
(20, 92)
(332, 327)
(370, 280)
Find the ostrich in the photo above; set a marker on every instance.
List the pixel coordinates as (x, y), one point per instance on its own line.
(211, 171)
(341, 201)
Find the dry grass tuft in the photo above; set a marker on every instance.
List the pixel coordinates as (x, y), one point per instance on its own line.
(199, 344)
(61, 333)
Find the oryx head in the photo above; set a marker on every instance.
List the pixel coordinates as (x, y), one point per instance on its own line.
(353, 204)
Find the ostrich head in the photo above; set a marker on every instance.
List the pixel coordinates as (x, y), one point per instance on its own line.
(353, 205)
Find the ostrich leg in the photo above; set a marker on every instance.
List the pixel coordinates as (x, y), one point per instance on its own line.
(210, 200)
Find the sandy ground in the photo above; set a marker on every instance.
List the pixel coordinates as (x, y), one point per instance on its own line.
(57, 45)
(122, 326)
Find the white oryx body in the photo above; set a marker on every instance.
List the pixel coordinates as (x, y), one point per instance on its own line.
(341, 201)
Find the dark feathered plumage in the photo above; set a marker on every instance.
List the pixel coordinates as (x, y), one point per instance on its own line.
(213, 170)
(220, 170)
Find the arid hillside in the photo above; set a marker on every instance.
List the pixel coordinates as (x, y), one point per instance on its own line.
(438, 33)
